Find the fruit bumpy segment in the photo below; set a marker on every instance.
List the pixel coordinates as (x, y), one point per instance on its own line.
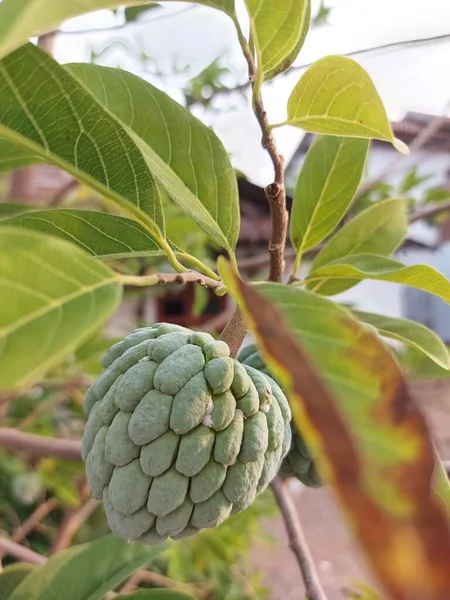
(179, 435)
(298, 462)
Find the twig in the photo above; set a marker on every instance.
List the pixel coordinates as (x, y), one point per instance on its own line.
(40, 445)
(297, 540)
(428, 212)
(72, 523)
(276, 191)
(29, 524)
(20, 552)
(63, 191)
(235, 331)
(40, 408)
(167, 278)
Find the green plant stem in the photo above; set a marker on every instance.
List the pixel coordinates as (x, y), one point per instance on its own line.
(198, 264)
(297, 263)
(171, 256)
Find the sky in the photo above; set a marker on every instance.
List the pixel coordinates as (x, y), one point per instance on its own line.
(413, 78)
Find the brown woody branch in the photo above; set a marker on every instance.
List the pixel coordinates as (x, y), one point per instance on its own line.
(72, 523)
(171, 278)
(13, 439)
(276, 191)
(297, 540)
(428, 212)
(20, 552)
(29, 524)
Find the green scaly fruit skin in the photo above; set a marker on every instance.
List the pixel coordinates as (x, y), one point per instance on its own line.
(179, 435)
(298, 462)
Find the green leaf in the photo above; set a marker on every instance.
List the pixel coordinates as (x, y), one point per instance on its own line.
(11, 577)
(158, 595)
(379, 229)
(54, 296)
(11, 209)
(410, 333)
(86, 572)
(103, 235)
(49, 113)
(279, 30)
(326, 185)
(336, 96)
(184, 155)
(371, 266)
(13, 156)
(370, 441)
(22, 19)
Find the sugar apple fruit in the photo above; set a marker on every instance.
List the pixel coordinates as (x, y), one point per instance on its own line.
(298, 462)
(179, 435)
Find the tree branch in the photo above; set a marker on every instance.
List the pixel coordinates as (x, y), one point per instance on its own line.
(72, 523)
(297, 540)
(276, 191)
(428, 212)
(29, 524)
(40, 445)
(170, 278)
(20, 552)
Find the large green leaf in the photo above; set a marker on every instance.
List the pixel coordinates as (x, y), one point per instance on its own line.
(379, 229)
(279, 30)
(103, 235)
(11, 577)
(85, 572)
(11, 209)
(184, 155)
(158, 595)
(49, 113)
(22, 19)
(336, 96)
(54, 296)
(372, 266)
(409, 332)
(370, 440)
(13, 156)
(326, 185)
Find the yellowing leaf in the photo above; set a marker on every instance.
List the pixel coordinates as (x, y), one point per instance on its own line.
(410, 333)
(379, 229)
(371, 266)
(336, 96)
(372, 445)
(326, 185)
(279, 30)
(54, 297)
